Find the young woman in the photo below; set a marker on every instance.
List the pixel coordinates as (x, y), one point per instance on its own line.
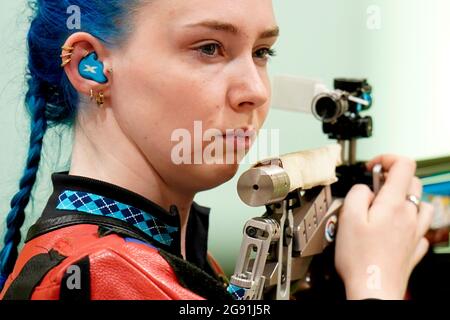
(123, 218)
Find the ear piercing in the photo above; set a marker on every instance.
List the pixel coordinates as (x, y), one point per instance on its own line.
(99, 98)
(67, 55)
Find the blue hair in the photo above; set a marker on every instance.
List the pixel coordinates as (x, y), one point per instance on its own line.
(51, 99)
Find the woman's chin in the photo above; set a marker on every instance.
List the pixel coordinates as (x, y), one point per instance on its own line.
(211, 176)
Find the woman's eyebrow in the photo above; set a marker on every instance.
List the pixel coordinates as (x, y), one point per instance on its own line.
(230, 28)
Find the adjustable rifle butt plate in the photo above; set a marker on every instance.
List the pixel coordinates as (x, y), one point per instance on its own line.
(263, 185)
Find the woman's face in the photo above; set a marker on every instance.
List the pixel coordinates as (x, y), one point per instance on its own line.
(194, 61)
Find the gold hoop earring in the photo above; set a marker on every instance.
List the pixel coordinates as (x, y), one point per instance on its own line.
(91, 95)
(100, 99)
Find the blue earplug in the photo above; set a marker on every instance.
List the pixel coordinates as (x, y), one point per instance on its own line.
(92, 69)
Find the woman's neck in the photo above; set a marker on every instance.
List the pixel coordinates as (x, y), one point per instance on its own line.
(101, 151)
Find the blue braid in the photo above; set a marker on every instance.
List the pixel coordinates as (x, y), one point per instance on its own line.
(16, 215)
(51, 98)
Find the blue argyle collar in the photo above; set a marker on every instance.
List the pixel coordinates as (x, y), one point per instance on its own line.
(238, 293)
(83, 195)
(98, 205)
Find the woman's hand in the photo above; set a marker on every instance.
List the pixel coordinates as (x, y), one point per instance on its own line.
(381, 239)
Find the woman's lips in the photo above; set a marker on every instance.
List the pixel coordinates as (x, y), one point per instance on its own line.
(240, 138)
(240, 133)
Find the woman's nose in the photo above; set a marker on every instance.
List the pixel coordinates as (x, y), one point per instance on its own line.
(248, 90)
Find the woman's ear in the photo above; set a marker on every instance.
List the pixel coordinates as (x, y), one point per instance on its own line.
(89, 65)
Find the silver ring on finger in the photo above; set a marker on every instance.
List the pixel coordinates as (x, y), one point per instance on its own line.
(414, 200)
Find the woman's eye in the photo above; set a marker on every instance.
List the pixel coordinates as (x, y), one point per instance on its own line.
(210, 49)
(265, 53)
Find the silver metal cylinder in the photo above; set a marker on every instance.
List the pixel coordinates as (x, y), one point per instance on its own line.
(263, 185)
(329, 106)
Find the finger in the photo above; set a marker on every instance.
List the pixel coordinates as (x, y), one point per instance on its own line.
(415, 189)
(398, 181)
(387, 160)
(357, 202)
(424, 219)
(421, 250)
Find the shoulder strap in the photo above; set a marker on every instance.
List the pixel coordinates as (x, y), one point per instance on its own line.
(43, 226)
(32, 274)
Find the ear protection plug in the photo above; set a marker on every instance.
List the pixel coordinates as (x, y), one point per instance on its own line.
(92, 69)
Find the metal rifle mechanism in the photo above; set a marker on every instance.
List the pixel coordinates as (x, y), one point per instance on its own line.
(278, 247)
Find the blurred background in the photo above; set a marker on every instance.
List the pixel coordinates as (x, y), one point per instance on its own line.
(401, 46)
